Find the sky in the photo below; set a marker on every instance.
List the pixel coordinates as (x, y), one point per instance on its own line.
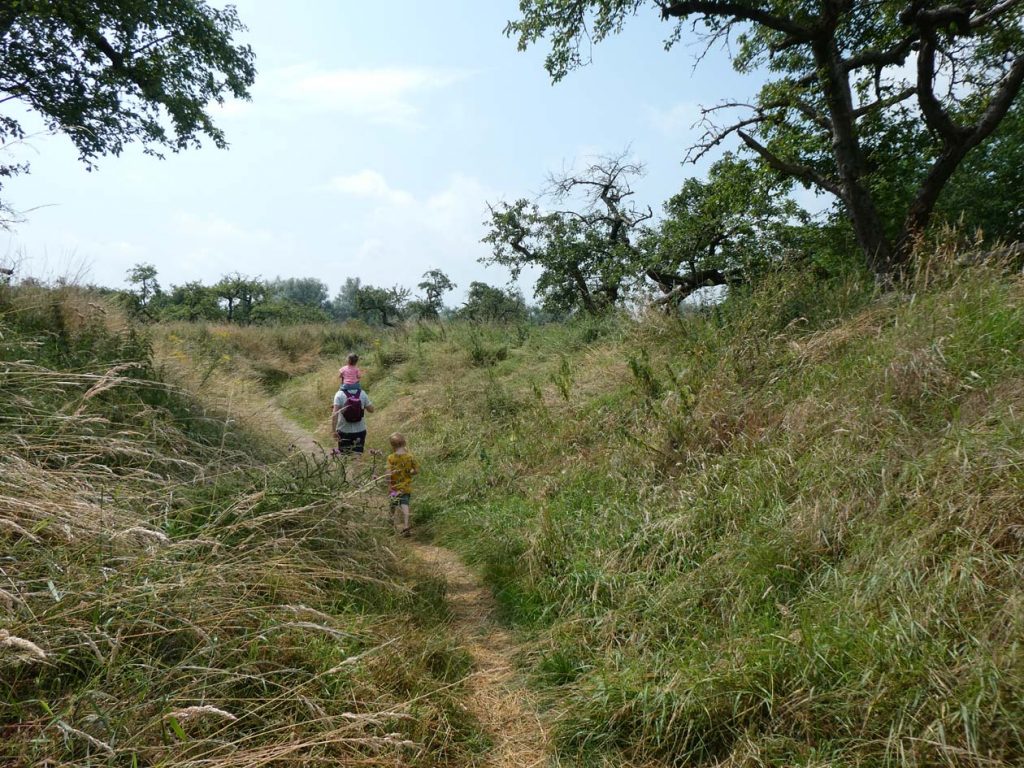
(376, 135)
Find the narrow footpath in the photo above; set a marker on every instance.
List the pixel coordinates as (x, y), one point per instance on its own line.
(495, 695)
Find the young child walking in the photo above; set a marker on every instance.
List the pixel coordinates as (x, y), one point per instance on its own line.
(350, 374)
(402, 467)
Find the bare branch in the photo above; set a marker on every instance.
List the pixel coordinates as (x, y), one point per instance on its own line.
(714, 136)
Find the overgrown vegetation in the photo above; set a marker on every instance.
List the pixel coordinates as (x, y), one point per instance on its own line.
(172, 592)
(781, 531)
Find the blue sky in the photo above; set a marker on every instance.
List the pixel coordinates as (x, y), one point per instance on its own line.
(376, 135)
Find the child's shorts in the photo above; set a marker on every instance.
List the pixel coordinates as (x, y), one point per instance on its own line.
(400, 499)
(351, 389)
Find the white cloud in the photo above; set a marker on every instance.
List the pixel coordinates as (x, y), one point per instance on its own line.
(211, 227)
(440, 230)
(368, 184)
(386, 95)
(676, 120)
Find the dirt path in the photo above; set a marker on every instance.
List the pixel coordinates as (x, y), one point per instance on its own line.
(496, 697)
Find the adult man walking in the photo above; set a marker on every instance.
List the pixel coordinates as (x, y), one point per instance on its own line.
(348, 419)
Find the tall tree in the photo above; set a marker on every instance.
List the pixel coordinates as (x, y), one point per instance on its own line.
(145, 287)
(585, 253)
(382, 305)
(305, 291)
(343, 306)
(486, 303)
(722, 230)
(112, 72)
(240, 294)
(192, 301)
(435, 285)
(841, 105)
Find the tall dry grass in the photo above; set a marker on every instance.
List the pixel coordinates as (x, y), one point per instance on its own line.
(170, 594)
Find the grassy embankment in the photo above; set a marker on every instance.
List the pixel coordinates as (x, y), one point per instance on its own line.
(172, 592)
(787, 532)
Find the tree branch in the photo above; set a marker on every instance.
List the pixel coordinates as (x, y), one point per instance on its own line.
(678, 287)
(896, 98)
(897, 54)
(740, 12)
(803, 172)
(993, 12)
(934, 115)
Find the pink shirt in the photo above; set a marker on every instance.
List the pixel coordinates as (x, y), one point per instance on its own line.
(350, 374)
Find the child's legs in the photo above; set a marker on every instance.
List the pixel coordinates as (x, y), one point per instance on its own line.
(400, 511)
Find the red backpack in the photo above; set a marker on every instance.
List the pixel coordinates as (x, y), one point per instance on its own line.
(352, 410)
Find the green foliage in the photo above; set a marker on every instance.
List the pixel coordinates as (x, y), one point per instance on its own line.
(301, 291)
(647, 382)
(343, 305)
(987, 192)
(840, 112)
(729, 228)
(563, 379)
(106, 74)
(191, 302)
(487, 304)
(145, 289)
(381, 306)
(779, 530)
(241, 295)
(483, 352)
(586, 256)
(435, 285)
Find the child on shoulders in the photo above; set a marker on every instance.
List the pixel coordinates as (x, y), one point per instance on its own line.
(350, 375)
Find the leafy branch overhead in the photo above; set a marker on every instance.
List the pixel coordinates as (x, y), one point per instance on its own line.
(120, 71)
(877, 103)
(723, 231)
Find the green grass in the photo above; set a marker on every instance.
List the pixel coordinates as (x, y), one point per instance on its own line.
(786, 531)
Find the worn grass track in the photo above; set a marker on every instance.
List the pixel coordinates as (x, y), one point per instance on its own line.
(496, 697)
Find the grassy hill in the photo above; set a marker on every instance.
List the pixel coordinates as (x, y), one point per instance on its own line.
(175, 592)
(784, 531)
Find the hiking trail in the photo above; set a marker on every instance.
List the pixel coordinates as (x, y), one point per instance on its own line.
(495, 695)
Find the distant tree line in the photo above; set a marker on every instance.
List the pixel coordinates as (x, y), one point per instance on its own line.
(244, 300)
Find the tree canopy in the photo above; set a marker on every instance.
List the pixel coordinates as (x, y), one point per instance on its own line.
(487, 303)
(113, 72)
(586, 252)
(722, 230)
(856, 88)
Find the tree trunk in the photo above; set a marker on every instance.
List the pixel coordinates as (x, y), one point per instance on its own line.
(581, 284)
(867, 224)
